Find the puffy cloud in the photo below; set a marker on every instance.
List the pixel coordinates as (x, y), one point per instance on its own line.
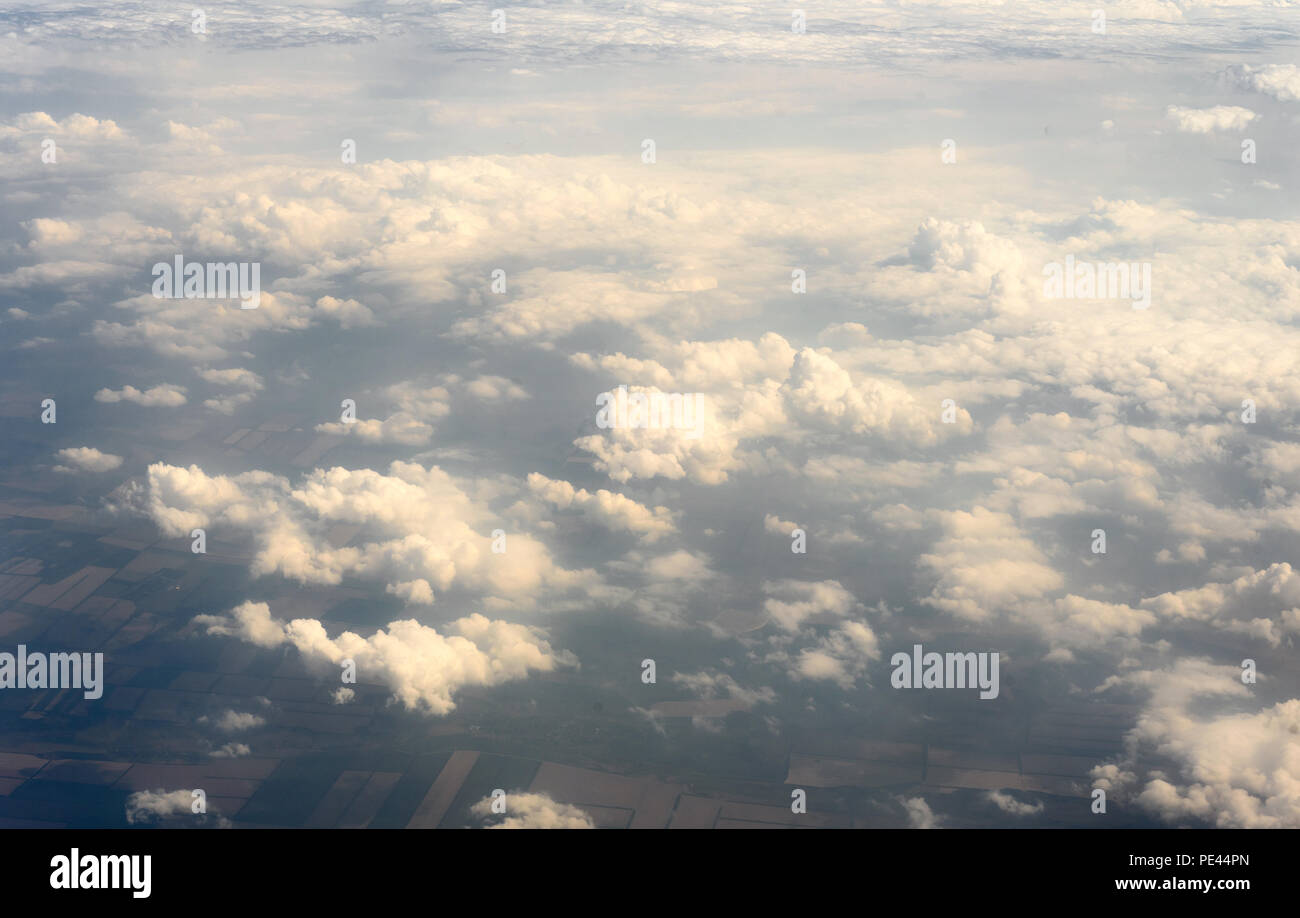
(675, 278)
(984, 563)
(151, 805)
(165, 396)
(422, 667)
(956, 268)
(1263, 604)
(231, 721)
(86, 459)
(411, 425)
(817, 640)
(1009, 804)
(398, 428)
(418, 592)
(695, 445)
(919, 814)
(840, 656)
(710, 684)
(420, 525)
(1281, 461)
(960, 246)
(791, 603)
(192, 139)
(679, 565)
(773, 523)
(747, 392)
(231, 751)
(348, 313)
(227, 404)
(1228, 769)
(822, 393)
(232, 377)
(1281, 81)
(662, 588)
(533, 811)
(1209, 120)
(611, 510)
(174, 328)
(82, 127)
(495, 389)
(1076, 621)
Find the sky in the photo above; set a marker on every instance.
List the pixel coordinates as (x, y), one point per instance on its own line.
(835, 241)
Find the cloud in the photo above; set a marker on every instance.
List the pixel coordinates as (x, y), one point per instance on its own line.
(86, 459)
(773, 523)
(823, 394)
(74, 126)
(420, 524)
(348, 313)
(418, 592)
(533, 811)
(231, 721)
(791, 603)
(700, 447)
(752, 392)
(611, 510)
(1079, 622)
(495, 389)
(1264, 604)
(1010, 805)
(231, 751)
(984, 563)
(710, 685)
(919, 814)
(824, 410)
(418, 408)
(399, 428)
(679, 565)
(1230, 769)
(841, 656)
(1209, 120)
(232, 377)
(227, 404)
(164, 396)
(421, 667)
(1281, 81)
(151, 805)
(186, 138)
